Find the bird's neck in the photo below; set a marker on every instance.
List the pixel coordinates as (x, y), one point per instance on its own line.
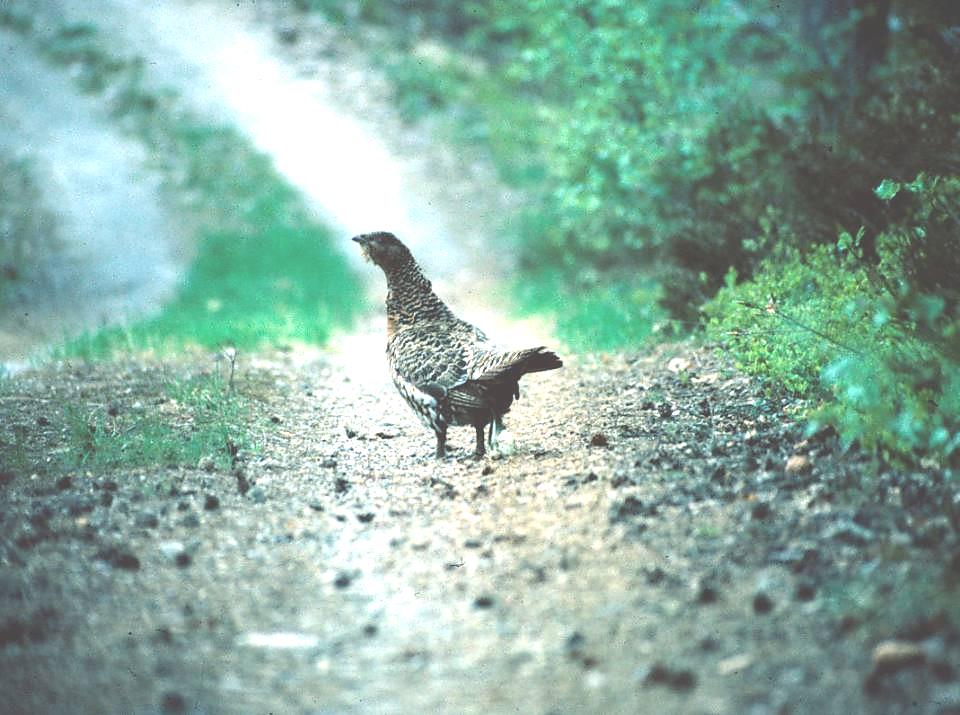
(410, 298)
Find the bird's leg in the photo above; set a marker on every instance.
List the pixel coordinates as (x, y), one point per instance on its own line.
(480, 448)
(442, 442)
(496, 427)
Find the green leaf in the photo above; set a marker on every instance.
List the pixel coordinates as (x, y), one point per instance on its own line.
(888, 189)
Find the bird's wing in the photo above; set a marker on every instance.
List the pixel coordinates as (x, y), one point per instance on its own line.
(431, 356)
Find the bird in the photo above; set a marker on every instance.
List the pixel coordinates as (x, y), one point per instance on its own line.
(445, 368)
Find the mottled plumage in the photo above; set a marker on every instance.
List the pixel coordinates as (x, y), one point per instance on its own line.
(444, 367)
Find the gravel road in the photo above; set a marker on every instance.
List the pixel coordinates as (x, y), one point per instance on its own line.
(660, 541)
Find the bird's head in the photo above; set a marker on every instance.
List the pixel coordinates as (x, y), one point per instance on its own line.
(384, 249)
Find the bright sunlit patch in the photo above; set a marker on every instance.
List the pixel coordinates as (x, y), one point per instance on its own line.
(340, 164)
(282, 640)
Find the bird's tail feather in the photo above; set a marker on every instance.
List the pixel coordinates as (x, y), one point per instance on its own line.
(516, 364)
(538, 360)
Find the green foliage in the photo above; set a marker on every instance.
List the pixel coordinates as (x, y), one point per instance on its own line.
(200, 419)
(789, 322)
(905, 395)
(876, 341)
(264, 269)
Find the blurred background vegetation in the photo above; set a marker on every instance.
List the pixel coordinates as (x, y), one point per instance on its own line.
(786, 175)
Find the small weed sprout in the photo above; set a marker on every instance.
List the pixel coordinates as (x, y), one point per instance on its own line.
(229, 354)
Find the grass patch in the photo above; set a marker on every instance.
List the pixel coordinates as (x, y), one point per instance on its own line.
(198, 419)
(124, 416)
(264, 272)
(605, 316)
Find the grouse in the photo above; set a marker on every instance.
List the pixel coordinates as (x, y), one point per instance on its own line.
(444, 367)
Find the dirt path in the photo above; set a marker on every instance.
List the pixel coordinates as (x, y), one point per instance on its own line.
(645, 549)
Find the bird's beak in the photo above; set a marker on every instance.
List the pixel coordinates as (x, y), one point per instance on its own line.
(364, 246)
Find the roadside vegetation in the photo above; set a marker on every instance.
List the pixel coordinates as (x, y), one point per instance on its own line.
(783, 177)
(159, 415)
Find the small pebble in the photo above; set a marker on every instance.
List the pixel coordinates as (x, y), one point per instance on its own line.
(211, 502)
(343, 580)
(892, 656)
(120, 559)
(599, 440)
(734, 664)
(171, 549)
(655, 575)
(675, 678)
(798, 465)
(575, 642)
(762, 604)
(483, 602)
(707, 594)
(806, 591)
(174, 703)
(146, 520)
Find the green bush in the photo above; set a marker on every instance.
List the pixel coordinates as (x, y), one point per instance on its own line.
(873, 340)
(793, 318)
